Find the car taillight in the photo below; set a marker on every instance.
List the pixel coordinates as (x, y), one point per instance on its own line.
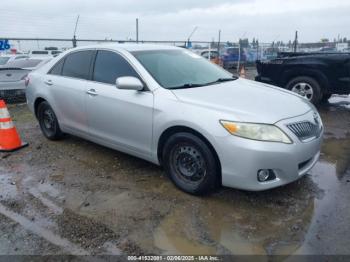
(26, 81)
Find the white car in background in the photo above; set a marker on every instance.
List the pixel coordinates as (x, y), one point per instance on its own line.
(13, 75)
(44, 52)
(4, 59)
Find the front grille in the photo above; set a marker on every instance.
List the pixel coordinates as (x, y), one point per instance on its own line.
(305, 130)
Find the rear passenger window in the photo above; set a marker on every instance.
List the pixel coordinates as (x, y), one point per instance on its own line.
(77, 64)
(57, 68)
(109, 66)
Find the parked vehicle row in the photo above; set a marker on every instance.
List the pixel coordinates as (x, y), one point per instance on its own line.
(4, 59)
(13, 76)
(174, 108)
(229, 57)
(15, 67)
(45, 52)
(315, 76)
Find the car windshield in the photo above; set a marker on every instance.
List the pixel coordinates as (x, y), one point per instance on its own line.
(174, 69)
(24, 63)
(3, 60)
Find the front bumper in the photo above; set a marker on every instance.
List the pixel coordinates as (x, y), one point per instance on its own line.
(241, 159)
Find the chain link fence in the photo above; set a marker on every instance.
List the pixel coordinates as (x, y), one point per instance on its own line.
(230, 55)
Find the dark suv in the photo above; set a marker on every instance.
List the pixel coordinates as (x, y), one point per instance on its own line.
(316, 76)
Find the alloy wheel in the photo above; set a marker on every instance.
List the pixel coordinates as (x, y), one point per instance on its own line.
(303, 89)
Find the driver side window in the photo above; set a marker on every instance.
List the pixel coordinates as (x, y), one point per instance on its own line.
(109, 66)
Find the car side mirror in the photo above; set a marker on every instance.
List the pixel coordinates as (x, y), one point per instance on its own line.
(129, 83)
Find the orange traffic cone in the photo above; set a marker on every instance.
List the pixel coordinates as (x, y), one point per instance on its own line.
(242, 72)
(9, 138)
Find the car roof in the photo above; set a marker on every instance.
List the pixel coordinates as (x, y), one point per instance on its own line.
(37, 50)
(207, 50)
(12, 55)
(41, 59)
(130, 47)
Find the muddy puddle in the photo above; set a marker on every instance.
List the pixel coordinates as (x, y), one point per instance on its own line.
(75, 197)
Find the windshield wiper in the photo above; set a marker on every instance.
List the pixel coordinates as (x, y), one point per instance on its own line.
(189, 85)
(220, 80)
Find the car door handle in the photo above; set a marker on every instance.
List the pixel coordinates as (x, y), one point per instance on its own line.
(49, 82)
(92, 92)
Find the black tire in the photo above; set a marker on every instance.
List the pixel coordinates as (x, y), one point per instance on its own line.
(191, 164)
(325, 98)
(310, 83)
(48, 122)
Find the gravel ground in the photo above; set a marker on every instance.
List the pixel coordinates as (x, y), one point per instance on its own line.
(75, 197)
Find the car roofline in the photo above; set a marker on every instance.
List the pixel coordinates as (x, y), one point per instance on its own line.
(128, 47)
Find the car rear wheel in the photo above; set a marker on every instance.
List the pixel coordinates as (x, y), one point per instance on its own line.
(48, 122)
(306, 87)
(190, 164)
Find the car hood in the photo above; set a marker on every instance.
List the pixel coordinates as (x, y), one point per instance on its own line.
(246, 100)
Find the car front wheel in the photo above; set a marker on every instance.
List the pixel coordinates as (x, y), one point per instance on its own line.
(191, 164)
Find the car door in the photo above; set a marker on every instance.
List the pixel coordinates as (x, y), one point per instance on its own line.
(67, 81)
(118, 118)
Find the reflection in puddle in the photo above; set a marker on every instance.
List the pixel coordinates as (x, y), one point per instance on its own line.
(218, 227)
(337, 151)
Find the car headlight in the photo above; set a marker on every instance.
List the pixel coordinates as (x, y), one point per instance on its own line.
(262, 132)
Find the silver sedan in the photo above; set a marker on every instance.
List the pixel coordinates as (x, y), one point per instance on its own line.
(13, 75)
(174, 108)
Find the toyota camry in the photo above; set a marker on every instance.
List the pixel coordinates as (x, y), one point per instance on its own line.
(174, 108)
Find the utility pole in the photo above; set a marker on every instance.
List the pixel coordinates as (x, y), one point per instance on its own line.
(296, 41)
(74, 40)
(219, 41)
(137, 30)
(239, 56)
(239, 52)
(189, 37)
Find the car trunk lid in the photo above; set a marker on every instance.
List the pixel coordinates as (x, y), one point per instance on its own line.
(12, 74)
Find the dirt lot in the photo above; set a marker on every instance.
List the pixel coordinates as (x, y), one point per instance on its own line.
(76, 197)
